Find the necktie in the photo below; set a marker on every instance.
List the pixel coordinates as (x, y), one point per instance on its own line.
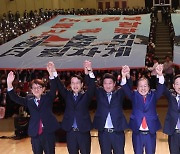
(109, 95)
(75, 123)
(108, 123)
(144, 123)
(40, 122)
(75, 97)
(178, 123)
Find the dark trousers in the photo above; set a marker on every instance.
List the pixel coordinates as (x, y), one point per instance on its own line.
(144, 140)
(111, 142)
(174, 143)
(78, 141)
(43, 143)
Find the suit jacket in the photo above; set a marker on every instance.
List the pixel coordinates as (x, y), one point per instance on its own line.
(78, 109)
(43, 112)
(172, 113)
(114, 107)
(141, 109)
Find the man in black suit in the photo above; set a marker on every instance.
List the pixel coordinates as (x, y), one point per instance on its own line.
(172, 121)
(76, 121)
(109, 119)
(43, 123)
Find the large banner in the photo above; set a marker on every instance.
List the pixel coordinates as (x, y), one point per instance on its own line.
(109, 41)
(176, 24)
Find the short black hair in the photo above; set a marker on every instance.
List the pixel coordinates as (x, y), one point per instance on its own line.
(177, 76)
(78, 77)
(143, 78)
(37, 81)
(108, 76)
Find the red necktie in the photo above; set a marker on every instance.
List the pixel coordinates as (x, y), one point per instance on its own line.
(40, 122)
(144, 123)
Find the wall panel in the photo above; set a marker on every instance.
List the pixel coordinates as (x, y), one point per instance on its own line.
(48, 4)
(3, 8)
(21, 6)
(28, 5)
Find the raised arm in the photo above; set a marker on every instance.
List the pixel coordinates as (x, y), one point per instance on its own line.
(160, 88)
(125, 72)
(89, 78)
(53, 85)
(10, 79)
(53, 73)
(11, 92)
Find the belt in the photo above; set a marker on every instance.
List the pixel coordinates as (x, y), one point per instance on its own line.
(75, 129)
(177, 131)
(144, 132)
(109, 130)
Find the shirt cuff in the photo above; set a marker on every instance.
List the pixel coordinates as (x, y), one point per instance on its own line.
(91, 75)
(54, 76)
(161, 79)
(123, 81)
(9, 89)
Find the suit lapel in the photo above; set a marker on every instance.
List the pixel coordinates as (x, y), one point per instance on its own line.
(33, 104)
(148, 100)
(41, 102)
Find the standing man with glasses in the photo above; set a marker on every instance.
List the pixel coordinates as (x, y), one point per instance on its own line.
(43, 123)
(109, 119)
(76, 121)
(172, 121)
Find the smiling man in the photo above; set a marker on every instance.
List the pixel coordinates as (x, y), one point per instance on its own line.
(76, 121)
(144, 120)
(109, 119)
(172, 121)
(43, 123)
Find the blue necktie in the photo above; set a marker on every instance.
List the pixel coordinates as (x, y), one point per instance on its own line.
(178, 123)
(108, 123)
(75, 123)
(109, 95)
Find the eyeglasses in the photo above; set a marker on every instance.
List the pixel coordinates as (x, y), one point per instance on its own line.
(37, 88)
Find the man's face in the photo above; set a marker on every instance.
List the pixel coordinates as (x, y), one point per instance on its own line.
(176, 85)
(143, 87)
(108, 85)
(37, 90)
(76, 85)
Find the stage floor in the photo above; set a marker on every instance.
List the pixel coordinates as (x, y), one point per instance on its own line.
(23, 146)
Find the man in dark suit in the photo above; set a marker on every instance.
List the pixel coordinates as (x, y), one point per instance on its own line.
(76, 121)
(43, 123)
(144, 121)
(172, 121)
(109, 119)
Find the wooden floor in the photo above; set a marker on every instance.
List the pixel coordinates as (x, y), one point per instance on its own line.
(23, 146)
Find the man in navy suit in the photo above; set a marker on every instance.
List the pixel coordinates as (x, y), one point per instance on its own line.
(172, 121)
(144, 121)
(43, 123)
(109, 119)
(76, 121)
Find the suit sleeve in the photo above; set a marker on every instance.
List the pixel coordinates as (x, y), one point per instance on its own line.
(61, 88)
(167, 93)
(128, 92)
(18, 99)
(91, 85)
(160, 90)
(53, 87)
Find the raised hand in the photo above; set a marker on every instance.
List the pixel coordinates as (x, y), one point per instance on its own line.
(159, 69)
(51, 68)
(87, 66)
(125, 71)
(10, 79)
